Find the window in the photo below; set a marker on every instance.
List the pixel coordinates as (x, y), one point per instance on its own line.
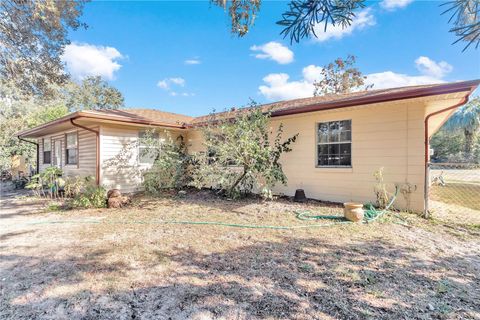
(47, 151)
(334, 144)
(147, 154)
(71, 149)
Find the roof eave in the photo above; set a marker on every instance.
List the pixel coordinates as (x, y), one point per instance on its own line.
(467, 86)
(89, 115)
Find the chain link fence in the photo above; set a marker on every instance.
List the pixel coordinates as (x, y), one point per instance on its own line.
(454, 189)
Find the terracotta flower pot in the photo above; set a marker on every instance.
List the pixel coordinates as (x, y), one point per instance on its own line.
(353, 211)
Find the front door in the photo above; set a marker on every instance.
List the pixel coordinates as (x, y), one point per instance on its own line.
(58, 153)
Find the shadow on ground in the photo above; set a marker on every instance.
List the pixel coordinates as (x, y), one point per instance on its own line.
(285, 279)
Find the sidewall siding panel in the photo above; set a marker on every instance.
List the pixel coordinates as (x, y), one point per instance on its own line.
(119, 157)
(86, 153)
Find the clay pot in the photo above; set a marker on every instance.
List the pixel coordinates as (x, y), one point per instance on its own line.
(117, 202)
(114, 193)
(353, 211)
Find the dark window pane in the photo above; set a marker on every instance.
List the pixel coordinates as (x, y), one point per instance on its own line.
(46, 157)
(323, 160)
(345, 136)
(71, 156)
(322, 132)
(323, 149)
(345, 148)
(334, 160)
(346, 125)
(333, 149)
(345, 160)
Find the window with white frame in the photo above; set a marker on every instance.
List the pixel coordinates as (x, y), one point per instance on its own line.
(147, 154)
(334, 144)
(71, 148)
(47, 151)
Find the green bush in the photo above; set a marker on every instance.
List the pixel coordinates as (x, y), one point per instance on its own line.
(241, 156)
(91, 197)
(171, 167)
(49, 180)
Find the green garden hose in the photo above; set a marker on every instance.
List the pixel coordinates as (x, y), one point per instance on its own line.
(371, 214)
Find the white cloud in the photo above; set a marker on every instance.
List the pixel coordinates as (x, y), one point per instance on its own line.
(431, 72)
(274, 51)
(169, 84)
(394, 4)
(178, 81)
(431, 68)
(163, 84)
(192, 61)
(277, 86)
(166, 83)
(362, 20)
(390, 79)
(84, 60)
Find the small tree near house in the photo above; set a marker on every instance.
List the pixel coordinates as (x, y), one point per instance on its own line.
(242, 153)
(171, 166)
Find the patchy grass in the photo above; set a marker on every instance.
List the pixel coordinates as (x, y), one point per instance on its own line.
(126, 263)
(460, 194)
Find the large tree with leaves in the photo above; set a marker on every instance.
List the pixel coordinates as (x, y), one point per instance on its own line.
(33, 35)
(92, 93)
(303, 17)
(340, 76)
(466, 120)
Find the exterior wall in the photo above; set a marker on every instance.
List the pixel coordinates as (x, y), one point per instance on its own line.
(86, 153)
(388, 135)
(119, 164)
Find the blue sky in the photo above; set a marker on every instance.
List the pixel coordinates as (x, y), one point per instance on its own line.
(181, 57)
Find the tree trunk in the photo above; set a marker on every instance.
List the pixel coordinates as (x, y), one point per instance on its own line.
(469, 141)
(230, 191)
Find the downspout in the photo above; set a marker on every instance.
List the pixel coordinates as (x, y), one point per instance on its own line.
(426, 188)
(37, 169)
(97, 160)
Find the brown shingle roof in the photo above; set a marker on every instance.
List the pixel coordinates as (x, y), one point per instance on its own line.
(148, 115)
(332, 101)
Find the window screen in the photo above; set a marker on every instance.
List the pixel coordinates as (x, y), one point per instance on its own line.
(334, 144)
(147, 154)
(71, 148)
(47, 151)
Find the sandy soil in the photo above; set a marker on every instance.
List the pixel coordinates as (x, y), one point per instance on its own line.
(127, 264)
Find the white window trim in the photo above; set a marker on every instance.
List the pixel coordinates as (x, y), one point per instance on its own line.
(139, 146)
(66, 147)
(334, 168)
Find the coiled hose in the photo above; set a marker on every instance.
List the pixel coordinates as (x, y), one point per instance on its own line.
(371, 214)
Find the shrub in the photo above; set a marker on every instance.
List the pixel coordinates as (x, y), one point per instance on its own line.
(91, 197)
(75, 185)
(171, 167)
(241, 156)
(50, 179)
(380, 189)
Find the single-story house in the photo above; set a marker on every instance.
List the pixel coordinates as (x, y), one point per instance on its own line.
(343, 139)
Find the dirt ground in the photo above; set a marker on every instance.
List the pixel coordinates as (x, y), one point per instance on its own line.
(128, 264)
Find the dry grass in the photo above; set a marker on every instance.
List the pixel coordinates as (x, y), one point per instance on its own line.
(460, 194)
(119, 264)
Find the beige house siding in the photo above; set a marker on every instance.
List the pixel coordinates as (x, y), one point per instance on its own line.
(86, 153)
(388, 135)
(119, 157)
